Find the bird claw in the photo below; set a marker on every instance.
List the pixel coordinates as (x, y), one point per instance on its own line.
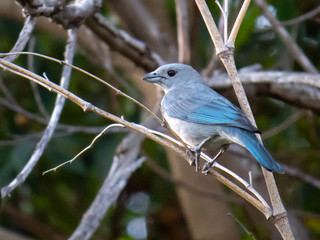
(206, 167)
(194, 155)
(190, 156)
(197, 153)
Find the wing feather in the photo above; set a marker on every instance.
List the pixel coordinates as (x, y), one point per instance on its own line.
(210, 108)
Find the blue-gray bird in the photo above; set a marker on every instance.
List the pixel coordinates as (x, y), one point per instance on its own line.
(203, 118)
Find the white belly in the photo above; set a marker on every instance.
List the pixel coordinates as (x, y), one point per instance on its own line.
(193, 134)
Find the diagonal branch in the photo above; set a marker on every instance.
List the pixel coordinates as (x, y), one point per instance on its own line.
(237, 24)
(227, 58)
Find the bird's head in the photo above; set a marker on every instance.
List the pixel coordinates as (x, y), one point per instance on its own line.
(173, 75)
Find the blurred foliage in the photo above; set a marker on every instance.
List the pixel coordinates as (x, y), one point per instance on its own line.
(58, 200)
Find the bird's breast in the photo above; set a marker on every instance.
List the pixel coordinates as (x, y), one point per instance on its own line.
(194, 133)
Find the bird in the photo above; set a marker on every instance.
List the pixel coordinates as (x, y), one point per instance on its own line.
(204, 119)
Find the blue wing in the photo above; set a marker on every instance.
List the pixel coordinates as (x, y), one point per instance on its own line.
(204, 107)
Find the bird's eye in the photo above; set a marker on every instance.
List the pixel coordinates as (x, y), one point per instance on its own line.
(171, 73)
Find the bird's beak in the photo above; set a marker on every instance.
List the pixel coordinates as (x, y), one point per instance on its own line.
(152, 77)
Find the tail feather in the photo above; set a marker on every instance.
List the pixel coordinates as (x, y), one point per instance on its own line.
(248, 140)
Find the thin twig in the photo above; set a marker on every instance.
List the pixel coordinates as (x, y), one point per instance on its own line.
(85, 149)
(237, 24)
(220, 7)
(242, 226)
(226, 20)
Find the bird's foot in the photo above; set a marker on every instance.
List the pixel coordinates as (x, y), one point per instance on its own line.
(208, 165)
(194, 155)
(197, 152)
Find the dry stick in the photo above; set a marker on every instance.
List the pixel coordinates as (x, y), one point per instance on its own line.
(280, 215)
(293, 48)
(85, 149)
(226, 20)
(242, 226)
(41, 145)
(236, 26)
(86, 106)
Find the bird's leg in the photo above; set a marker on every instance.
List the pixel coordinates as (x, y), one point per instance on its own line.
(208, 165)
(197, 152)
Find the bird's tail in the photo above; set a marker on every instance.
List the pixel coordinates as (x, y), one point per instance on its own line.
(252, 144)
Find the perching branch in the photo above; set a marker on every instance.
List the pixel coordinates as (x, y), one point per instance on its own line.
(227, 58)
